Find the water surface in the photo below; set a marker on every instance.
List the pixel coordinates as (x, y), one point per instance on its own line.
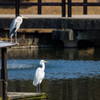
(72, 74)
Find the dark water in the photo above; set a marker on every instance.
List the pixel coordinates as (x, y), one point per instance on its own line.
(72, 74)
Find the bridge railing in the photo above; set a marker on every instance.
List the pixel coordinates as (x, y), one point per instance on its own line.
(63, 4)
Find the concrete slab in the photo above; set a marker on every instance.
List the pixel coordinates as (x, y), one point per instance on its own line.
(25, 95)
(76, 22)
(4, 44)
(52, 16)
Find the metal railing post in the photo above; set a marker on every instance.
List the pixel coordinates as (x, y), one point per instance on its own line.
(4, 75)
(17, 7)
(85, 7)
(63, 8)
(39, 7)
(69, 8)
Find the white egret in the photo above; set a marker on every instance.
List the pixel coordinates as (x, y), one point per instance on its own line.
(15, 25)
(39, 75)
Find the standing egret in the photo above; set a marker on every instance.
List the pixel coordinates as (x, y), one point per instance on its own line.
(39, 75)
(15, 25)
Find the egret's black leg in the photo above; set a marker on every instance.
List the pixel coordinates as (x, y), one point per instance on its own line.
(11, 39)
(16, 38)
(39, 88)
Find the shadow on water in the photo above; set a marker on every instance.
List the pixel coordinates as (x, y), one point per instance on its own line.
(69, 89)
(53, 53)
(72, 74)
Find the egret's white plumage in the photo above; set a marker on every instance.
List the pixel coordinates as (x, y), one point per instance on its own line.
(14, 26)
(39, 75)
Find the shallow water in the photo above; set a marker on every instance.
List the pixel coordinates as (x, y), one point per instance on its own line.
(72, 74)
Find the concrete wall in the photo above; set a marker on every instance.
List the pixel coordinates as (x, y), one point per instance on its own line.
(55, 22)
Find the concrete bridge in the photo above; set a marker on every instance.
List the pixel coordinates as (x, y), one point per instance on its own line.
(83, 27)
(76, 22)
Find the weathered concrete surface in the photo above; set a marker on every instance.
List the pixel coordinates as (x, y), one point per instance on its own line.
(70, 38)
(63, 34)
(70, 43)
(67, 36)
(26, 96)
(76, 22)
(88, 35)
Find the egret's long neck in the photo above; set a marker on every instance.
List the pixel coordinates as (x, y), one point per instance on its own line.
(43, 66)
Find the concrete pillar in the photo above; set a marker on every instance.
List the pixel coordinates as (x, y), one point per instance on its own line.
(67, 36)
(61, 34)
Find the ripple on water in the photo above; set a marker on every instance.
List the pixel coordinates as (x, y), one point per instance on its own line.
(56, 69)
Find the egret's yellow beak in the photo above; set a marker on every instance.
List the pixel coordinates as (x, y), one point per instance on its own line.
(46, 61)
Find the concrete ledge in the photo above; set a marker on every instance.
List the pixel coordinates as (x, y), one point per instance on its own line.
(79, 22)
(26, 96)
(24, 47)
